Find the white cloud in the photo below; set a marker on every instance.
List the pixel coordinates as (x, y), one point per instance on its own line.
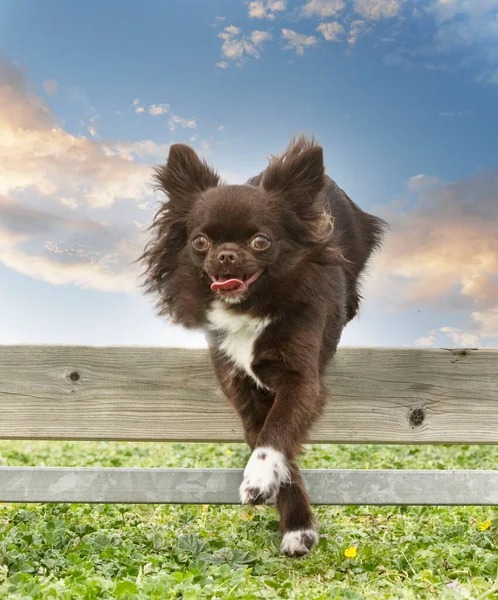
(265, 9)
(377, 9)
(137, 107)
(323, 8)
(37, 154)
(356, 29)
(422, 182)
(459, 337)
(58, 192)
(158, 109)
(465, 37)
(69, 202)
(331, 31)
(258, 37)
(447, 9)
(223, 64)
(442, 252)
(426, 341)
(298, 41)
(257, 10)
(67, 250)
(451, 336)
(132, 150)
(50, 87)
(237, 47)
(176, 121)
(220, 128)
(487, 321)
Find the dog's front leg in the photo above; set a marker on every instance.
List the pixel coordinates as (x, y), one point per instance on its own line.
(271, 470)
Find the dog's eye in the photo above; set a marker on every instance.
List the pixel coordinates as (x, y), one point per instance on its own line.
(200, 243)
(260, 242)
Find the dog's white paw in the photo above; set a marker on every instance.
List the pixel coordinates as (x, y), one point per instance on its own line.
(265, 472)
(299, 542)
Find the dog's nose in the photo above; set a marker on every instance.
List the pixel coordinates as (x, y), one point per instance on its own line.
(227, 256)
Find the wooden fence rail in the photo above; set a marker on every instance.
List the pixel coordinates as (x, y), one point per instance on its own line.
(377, 395)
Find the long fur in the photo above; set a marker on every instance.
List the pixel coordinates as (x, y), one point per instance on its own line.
(269, 344)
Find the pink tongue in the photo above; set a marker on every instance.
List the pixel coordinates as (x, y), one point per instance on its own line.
(229, 284)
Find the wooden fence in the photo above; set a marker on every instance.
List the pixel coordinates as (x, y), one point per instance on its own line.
(377, 395)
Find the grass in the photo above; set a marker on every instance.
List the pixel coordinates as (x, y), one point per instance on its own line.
(231, 552)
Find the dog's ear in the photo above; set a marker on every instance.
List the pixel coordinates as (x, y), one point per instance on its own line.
(298, 175)
(183, 176)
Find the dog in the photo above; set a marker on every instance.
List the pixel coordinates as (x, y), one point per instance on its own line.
(270, 272)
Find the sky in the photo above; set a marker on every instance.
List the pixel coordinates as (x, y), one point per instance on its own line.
(401, 94)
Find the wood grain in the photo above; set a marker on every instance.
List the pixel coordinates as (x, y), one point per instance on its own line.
(377, 395)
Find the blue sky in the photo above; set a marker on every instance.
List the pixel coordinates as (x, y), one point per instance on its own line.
(401, 94)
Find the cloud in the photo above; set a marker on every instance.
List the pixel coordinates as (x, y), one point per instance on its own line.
(443, 252)
(356, 29)
(223, 64)
(452, 336)
(58, 194)
(37, 154)
(487, 321)
(426, 341)
(50, 87)
(458, 114)
(237, 47)
(137, 107)
(422, 182)
(69, 202)
(70, 205)
(331, 31)
(218, 20)
(130, 151)
(465, 36)
(323, 8)
(298, 41)
(448, 9)
(396, 59)
(158, 109)
(220, 128)
(62, 250)
(258, 37)
(377, 9)
(261, 9)
(459, 337)
(176, 121)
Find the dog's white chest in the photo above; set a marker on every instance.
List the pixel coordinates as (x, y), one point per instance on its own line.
(240, 333)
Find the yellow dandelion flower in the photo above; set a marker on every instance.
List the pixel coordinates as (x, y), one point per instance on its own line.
(485, 525)
(204, 507)
(229, 451)
(350, 552)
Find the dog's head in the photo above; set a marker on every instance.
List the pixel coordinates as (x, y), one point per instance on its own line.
(231, 241)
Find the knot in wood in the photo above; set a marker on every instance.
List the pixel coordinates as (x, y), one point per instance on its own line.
(417, 416)
(74, 376)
